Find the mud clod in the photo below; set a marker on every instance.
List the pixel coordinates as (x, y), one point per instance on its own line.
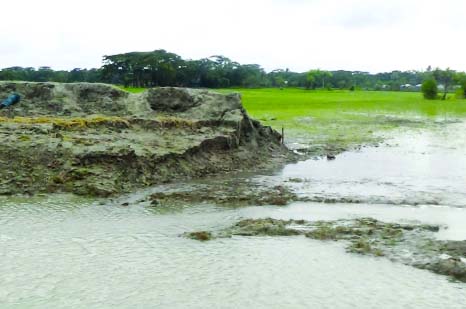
(201, 236)
(263, 227)
(234, 192)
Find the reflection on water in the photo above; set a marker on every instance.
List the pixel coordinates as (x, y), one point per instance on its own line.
(67, 252)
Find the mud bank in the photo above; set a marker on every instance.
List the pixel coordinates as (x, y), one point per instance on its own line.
(234, 192)
(410, 244)
(95, 139)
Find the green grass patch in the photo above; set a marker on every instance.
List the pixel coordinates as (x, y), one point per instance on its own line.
(132, 89)
(69, 122)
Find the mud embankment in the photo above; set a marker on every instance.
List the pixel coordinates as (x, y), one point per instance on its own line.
(95, 139)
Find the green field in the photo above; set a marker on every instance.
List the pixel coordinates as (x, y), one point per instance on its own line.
(337, 120)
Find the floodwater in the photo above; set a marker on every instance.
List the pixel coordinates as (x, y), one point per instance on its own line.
(66, 252)
(422, 166)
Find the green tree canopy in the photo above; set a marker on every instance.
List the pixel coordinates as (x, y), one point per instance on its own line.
(315, 77)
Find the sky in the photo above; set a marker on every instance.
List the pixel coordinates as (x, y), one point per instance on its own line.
(365, 35)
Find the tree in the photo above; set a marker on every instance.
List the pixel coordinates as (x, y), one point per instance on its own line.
(429, 89)
(463, 88)
(278, 81)
(314, 76)
(325, 75)
(44, 74)
(342, 79)
(311, 79)
(446, 78)
(460, 80)
(361, 80)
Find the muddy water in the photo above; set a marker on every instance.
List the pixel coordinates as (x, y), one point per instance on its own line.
(425, 166)
(65, 252)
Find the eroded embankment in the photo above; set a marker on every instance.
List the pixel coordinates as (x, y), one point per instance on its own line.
(94, 139)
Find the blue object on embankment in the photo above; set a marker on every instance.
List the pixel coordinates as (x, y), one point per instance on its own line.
(11, 100)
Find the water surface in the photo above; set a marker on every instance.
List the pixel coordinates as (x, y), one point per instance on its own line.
(67, 252)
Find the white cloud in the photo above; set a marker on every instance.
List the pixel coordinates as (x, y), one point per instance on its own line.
(366, 35)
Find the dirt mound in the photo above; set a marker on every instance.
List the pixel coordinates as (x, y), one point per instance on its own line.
(78, 99)
(196, 104)
(96, 139)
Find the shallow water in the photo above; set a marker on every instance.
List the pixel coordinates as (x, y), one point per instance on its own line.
(67, 252)
(425, 166)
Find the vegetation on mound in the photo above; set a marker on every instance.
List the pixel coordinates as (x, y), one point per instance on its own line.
(70, 123)
(176, 122)
(64, 123)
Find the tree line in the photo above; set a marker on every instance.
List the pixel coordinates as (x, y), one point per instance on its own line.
(46, 74)
(162, 68)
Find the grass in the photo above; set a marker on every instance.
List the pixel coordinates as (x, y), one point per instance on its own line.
(93, 121)
(132, 89)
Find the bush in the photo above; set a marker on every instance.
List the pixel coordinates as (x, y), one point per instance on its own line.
(429, 89)
(463, 89)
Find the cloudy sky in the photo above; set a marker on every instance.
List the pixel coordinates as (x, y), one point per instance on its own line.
(368, 35)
